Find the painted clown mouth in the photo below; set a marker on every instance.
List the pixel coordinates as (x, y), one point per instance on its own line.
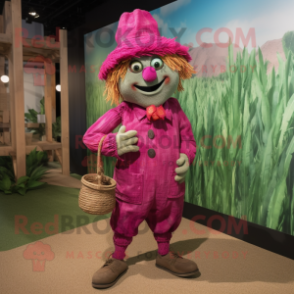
(150, 89)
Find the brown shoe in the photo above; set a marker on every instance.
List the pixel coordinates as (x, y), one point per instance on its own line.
(177, 265)
(109, 273)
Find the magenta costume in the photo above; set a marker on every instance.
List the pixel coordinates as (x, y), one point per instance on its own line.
(146, 188)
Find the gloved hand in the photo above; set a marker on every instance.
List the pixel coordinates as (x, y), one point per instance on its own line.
(181, 171)
(125, 141)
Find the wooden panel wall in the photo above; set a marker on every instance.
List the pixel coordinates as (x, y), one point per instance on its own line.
(16, 74)
(8, 31)
(48, 102)
(64, 102)
(53, 96)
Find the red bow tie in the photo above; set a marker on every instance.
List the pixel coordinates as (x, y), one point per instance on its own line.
(155, 112)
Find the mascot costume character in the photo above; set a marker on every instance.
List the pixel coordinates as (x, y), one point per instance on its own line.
(154, 146)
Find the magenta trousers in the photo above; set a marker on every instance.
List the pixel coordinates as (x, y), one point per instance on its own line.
(163, 217)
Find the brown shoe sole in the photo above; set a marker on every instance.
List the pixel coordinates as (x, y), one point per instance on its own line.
(183, 275)
(103, 286)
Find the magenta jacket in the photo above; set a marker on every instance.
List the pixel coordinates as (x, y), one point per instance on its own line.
(152, 168)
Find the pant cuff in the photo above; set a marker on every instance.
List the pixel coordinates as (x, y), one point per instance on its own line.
(163, 248)
(119, 252)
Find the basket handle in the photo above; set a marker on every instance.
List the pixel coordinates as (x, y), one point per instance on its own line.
(100, 171)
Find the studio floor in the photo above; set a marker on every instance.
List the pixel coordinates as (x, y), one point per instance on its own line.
(227, 265)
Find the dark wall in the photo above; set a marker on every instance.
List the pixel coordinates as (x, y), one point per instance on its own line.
(107, 13)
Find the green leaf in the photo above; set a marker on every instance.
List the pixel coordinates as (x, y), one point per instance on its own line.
(42, 106)
(40, 156)
(22, 191)
(22, 180)
(287, 115)
(34, 184)
(29, 117)
(3, 170)
(5, 183)
(288, 42)
(32, 115)
(6, 167)
(33, 112)
(38, 173)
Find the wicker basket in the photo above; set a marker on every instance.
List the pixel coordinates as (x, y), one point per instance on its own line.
(97, 195)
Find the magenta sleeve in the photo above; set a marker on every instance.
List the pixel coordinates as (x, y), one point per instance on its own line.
(104, 126)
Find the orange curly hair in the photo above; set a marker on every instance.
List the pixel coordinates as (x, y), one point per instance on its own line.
(174, 62)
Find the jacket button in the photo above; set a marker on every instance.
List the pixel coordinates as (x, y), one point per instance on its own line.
(151, 153)
(151, 134)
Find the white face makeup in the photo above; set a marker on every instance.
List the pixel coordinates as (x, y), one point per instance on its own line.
(146, 90)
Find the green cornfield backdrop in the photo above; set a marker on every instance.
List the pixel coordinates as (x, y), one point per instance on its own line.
(243, 124)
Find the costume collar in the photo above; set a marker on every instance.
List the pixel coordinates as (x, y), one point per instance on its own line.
(140, 112)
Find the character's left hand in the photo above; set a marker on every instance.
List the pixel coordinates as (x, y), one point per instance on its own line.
(181, 171)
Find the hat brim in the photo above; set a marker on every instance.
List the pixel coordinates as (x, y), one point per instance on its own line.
(144, 46)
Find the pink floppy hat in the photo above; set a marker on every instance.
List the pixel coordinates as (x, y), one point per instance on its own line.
(138, 35)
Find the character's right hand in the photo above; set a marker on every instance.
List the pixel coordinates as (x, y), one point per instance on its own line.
(125, 141)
